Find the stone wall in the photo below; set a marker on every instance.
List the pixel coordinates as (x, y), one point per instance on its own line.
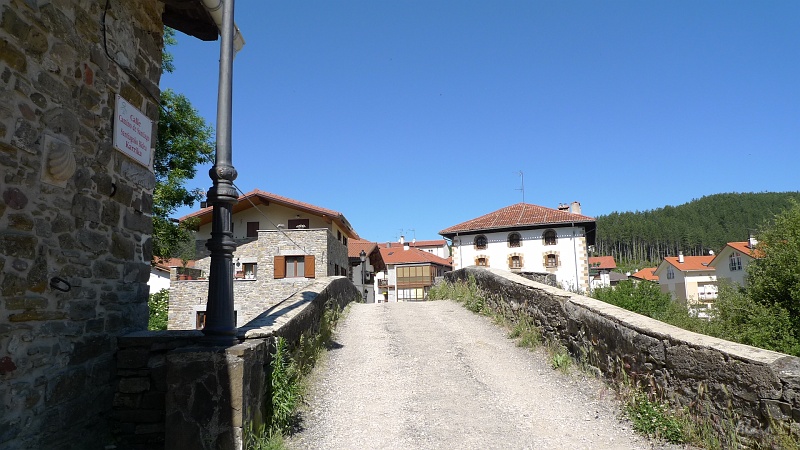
(173, 392)
(251, 298)
(727, 382)
(75, 223)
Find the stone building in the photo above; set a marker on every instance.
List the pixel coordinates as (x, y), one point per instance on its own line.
(282, 245)
(75, 215)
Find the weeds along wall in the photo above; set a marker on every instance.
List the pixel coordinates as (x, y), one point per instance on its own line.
(175, 392)
(734, 385)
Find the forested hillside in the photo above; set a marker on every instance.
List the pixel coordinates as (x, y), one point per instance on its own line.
(695, 228)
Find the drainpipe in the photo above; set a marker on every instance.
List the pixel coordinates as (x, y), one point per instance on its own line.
(220, 326)
(214, 8)
(575, 256)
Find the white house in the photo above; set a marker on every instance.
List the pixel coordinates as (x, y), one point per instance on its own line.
(690, 279)
(438, 247)
(159, 278)
(528, 238)
(365, 262)
(409, 272)
(600, 268)
(732, 261)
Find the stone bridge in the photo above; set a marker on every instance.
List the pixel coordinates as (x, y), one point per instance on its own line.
(433, 375)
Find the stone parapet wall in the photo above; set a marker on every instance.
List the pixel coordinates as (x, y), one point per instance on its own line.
(174, 392)
(251, 298)
(75, 214)
(139, 400)
(727, 382)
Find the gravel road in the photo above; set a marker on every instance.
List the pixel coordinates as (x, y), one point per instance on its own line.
(433, 375)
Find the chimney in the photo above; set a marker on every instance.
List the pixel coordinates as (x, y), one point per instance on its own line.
(388, 245)
(563, 207)
(575, 208)
(402, 239)
(751, 241)
(405, 246)
(680, 257)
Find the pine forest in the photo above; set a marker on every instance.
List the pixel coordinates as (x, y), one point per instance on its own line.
(693, 228)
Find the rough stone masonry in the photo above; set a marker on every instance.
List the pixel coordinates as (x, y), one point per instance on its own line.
(75, 215)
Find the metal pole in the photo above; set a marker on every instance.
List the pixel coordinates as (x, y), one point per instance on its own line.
(220, 326)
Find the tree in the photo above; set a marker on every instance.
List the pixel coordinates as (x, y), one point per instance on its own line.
(184, 141)
(774, 278)
(644, 298)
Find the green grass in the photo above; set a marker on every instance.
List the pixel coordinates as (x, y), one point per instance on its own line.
(287, 371)
(559, 358)
(261, 439)
(526, 334)
(654, 419)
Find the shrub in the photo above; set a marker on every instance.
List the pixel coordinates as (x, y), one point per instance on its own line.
(642, 298)
(159, 307)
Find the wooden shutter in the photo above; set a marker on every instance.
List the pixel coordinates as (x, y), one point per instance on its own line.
(280, 267)
(309, 263)
(252, 229)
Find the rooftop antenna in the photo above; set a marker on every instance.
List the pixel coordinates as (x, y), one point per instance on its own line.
(522, 185)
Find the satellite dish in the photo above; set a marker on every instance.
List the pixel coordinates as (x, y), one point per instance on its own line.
(711, 252)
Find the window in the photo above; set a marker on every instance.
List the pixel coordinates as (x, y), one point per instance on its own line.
(298, 224)
(252, 229)
(670, 273)
(481, 242)
(249, 270)
(295, 266)
(514, 240)
(411, 295)
(735, 262)
(551, 260)
(515, 262)
(482, 261)
(415, 276)
(549, 237)
(338, 235)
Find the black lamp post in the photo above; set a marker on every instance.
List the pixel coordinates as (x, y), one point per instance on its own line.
(363, 256)
(220, 326)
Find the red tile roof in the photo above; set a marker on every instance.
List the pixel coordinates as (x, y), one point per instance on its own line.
(354, 247)
(691, 262)
(744, 247)
(165, 264)
(646, 274)
(430, 243)
(517, 216)
(602, 262)
(257, 196)
(434, 243)
(397, 255)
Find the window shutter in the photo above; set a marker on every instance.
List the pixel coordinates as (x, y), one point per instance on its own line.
(309, 263)
(280, 267)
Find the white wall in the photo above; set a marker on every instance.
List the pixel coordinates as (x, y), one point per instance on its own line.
(356, 271)
(723, 267)
(275, 214)
(158, 280)
(570, 248)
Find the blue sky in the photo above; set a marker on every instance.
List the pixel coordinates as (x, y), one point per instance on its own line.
(418, 115)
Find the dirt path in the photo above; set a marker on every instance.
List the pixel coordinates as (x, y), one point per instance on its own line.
(433, 375)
